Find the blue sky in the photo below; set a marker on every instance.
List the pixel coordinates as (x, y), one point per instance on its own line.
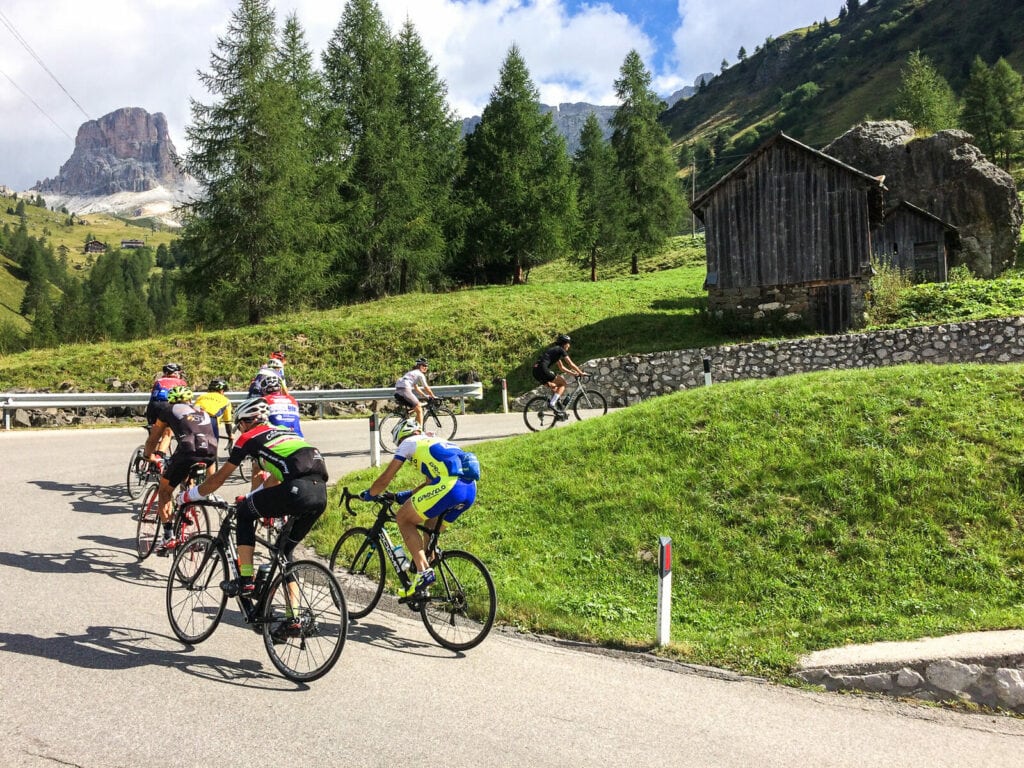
(106, 54)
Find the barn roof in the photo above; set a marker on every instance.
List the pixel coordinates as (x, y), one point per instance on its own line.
(919, 212)
(780, 138)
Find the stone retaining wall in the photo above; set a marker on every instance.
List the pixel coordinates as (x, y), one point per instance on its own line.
(629, 379)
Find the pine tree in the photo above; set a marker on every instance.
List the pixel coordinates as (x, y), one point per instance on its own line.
(982, 116)
(243, 149)
(1009, 94)
(599, 195)
(642, 150)
(516, 183)
(924, 97)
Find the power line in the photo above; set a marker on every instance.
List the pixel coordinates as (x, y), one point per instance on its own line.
(22, 92)
(17, 36)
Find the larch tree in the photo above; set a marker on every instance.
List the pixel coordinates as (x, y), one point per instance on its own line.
(924, 97)
(599, 198)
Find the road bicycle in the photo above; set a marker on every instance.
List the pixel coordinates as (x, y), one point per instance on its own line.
(458, 609)
(142, 471)
(187, 520)
(298, 606)
(245, 468)
(538, 413)
(438, 418)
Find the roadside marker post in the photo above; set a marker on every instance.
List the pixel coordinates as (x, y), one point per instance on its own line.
(664, 590)
(707, 371)
(374, 442)
(504, 396)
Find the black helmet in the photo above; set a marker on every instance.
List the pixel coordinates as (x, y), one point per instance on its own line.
(217, 385)
(172, 368)
(422, 361)
(563, 339)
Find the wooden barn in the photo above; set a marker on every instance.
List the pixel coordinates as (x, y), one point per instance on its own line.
(916, 242)
(788, 235)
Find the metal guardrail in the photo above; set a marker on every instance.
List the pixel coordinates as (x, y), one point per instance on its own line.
(11, 401)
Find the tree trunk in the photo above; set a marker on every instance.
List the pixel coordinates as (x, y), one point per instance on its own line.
(517, 272)
(634, 268)
(403, 277)
(593, 265)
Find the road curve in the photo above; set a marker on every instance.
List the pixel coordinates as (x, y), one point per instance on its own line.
(92, 675)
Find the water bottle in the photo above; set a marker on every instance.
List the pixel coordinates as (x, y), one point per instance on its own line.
(403, 561)
(261, 577)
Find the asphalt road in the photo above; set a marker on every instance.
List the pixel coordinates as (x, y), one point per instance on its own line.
(92, 676)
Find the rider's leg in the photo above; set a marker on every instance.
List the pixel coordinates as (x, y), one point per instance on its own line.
(558, 385)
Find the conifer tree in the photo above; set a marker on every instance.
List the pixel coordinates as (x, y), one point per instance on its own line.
(599, 195)
(516, 184)
(1009, 94)
(643, 157)
(982, 116)
(924, 97)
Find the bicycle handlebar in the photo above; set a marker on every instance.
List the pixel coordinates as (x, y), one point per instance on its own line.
(384, 500)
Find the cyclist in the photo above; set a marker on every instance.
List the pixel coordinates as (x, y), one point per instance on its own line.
(554, 355)
(284, 409)
(216, 403)
(273, 367)
(411, 384)
(171, 376)
(441, 497)
(197, 444)
(296, 486)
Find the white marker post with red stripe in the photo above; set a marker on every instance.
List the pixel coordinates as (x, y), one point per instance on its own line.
(664, 590)
(374, 442)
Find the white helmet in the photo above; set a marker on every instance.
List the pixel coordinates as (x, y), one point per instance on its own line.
(253, 408)
(404, 429)
(276, 364)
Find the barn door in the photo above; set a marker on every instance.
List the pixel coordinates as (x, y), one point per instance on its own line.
(926, 263)
(832, 307)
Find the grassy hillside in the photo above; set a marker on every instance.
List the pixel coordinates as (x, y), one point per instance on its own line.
(805, 512)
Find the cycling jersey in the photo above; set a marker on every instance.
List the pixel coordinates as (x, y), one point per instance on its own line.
(158, 394)
(192, 426)
(412, 379)
(281, 452)
(284, 411)
(542, 368)
(445, 492)
(219, 408)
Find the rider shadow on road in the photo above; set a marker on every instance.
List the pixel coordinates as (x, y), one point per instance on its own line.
(362, 631)
(95, 499)
(115, 648)
(109, 562)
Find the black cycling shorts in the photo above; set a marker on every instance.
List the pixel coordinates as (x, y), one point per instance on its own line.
(304, 498)
(179, 464)
(543, 374)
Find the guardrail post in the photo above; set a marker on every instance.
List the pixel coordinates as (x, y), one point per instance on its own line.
(707, 371)
(7, 414)
(664, 590)
(374, 442)
(504, 396)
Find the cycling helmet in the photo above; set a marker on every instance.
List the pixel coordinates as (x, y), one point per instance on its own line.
(563, 339)
(217, 385)
(255, 408)
(422, 361)
(270, 384)
(404, 429)
(171, 368)
(276, 364)
(179, 395)
(278, 356)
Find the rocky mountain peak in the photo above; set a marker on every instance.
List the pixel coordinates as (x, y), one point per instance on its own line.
(128, 150)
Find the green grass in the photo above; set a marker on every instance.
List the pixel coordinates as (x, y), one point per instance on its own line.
(806, 512)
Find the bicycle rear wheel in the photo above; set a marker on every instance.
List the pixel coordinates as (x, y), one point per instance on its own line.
(245, 470)
(191, 520)
(460, 609)
(148, 527)
(441, 421)
(384, 427)
(138, 471)
(539, 414)
(304, 621)
(195, 601)
(589, 403)
(358, 565)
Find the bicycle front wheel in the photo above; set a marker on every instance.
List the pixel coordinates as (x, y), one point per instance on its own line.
(304, 621)
(589, 404)
(441, 421)
(358, 565)
(138, 471)
(148, 527)
(245, 470)
(195, 601)
(538, 414)
(460, 609)
(384, 427)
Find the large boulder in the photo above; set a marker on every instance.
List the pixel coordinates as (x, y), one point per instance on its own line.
(946, 175)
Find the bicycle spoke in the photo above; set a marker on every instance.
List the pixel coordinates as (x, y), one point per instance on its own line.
(462, 604)
(358, 566)
(195, 601)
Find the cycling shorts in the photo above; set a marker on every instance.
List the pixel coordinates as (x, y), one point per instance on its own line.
(406, 397)
(448, 497)
(543, 374)
(304, 498)
(177, 467)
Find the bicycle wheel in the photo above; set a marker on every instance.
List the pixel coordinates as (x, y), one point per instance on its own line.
(304, 621)
(589, 403)
(460, 609)
(245, 470)
(538, 414)
(191, 520)
(195, 601)
(441, 421)
(138, 471)
(148, 527)
(358, 565)
(384, 427)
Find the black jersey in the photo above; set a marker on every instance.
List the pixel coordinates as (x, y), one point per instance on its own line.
(192, 426)
(281, 452)
(551, 355)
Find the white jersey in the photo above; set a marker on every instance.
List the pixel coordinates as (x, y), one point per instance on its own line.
(413, 378)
